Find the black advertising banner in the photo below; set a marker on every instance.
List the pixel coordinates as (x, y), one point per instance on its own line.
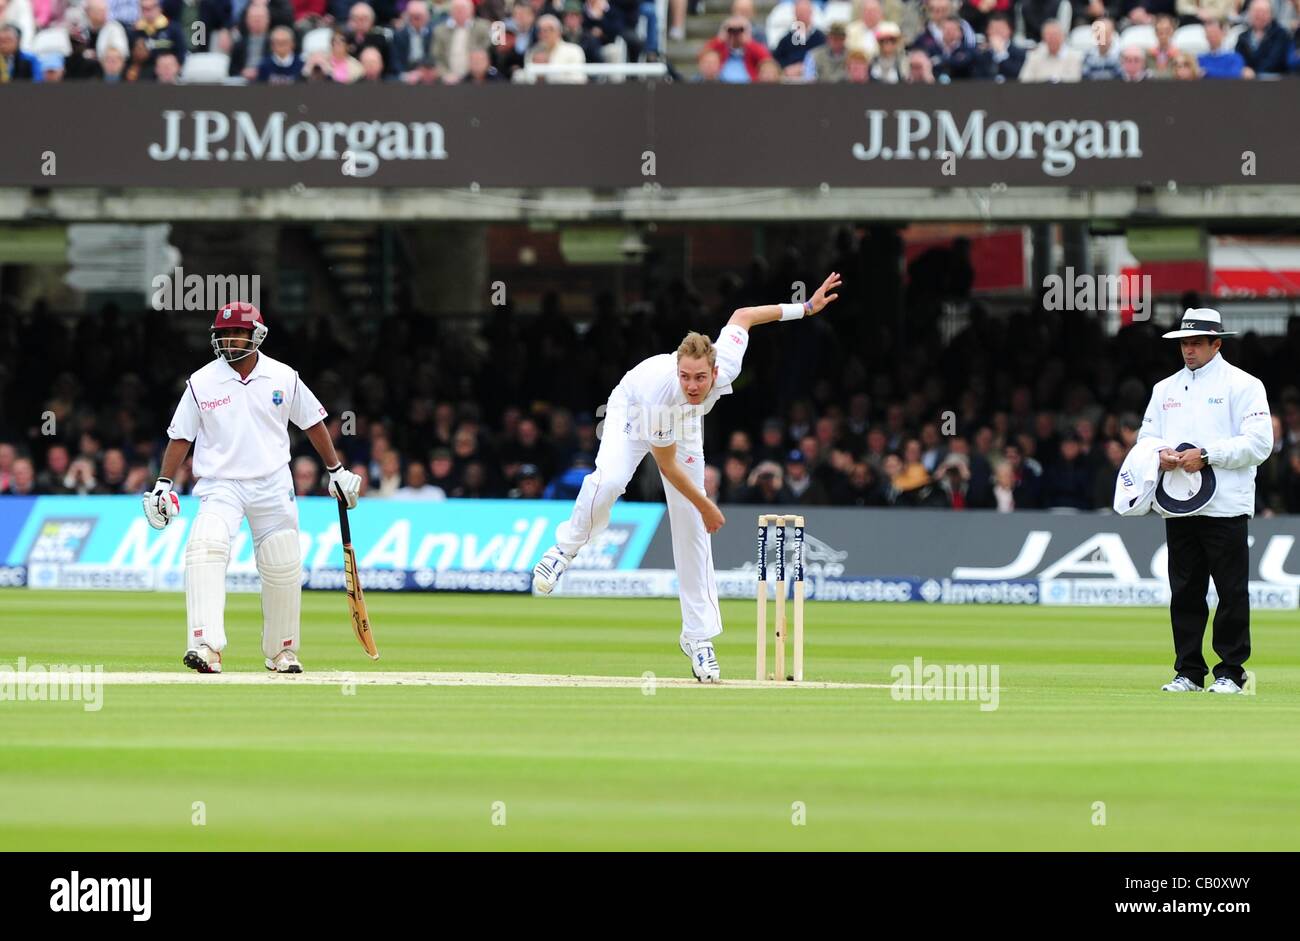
(1090, 134)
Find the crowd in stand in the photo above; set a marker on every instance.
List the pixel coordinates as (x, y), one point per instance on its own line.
(1032, 410)
(423, 42)
(942, 41)
(416, 42)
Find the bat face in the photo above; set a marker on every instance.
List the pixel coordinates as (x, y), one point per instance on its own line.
(357, 604)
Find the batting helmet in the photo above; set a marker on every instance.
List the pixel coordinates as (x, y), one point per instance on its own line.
(238, 315)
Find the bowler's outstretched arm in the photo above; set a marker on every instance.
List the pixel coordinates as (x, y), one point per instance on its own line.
(748, 317)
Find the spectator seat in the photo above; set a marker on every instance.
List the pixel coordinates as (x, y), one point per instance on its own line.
(205, 68)
(1144, 37)
(837, 11)
(54, 39)
(1191, 38)
(1081, 39)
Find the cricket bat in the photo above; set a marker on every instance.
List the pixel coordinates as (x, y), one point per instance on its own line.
(356, 600)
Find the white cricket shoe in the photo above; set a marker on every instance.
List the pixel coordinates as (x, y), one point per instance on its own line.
(203, 659)
(548, 571)
(1181, 684)
(1224, 685)
(704, 661)
(286, 661)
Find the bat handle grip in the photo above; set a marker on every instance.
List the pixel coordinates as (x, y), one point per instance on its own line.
(345, 531)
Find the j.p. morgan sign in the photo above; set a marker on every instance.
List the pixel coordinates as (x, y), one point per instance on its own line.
(1057, 145)
(971, 134)
(360, 146)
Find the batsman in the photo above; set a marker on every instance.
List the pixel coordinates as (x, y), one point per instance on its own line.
(657, 408)
(236, 412)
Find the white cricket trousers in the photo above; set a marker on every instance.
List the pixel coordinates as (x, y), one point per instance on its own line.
(269, 505)
(617, 459)
(267, 502)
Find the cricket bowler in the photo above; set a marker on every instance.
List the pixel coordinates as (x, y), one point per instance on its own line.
(236, 412)
(657, 408)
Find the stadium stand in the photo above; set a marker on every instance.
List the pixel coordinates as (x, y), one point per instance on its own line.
(455, 41)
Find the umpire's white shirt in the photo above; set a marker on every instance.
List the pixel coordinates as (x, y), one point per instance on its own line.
(240, 427)
(1225, 410)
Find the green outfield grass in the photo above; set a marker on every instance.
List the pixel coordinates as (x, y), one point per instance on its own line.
(1080, 720)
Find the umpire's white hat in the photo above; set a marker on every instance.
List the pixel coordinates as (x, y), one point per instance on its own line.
(1200, 322)
(1179, 493)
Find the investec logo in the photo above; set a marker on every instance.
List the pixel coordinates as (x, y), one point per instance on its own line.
(908, 134)
(214, 135)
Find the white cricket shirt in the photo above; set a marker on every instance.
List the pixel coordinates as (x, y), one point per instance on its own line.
(654, 398)
(1225, 410)
(240, 427)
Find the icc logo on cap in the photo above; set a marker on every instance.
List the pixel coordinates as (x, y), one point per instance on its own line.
(225, 315)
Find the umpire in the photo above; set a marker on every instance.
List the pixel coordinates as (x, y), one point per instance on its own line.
(1214, 423)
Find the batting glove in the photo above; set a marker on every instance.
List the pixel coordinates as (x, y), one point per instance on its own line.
(344, 485)
(160, 504)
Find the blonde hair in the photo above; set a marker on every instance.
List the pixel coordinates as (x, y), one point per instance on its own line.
(697, 346)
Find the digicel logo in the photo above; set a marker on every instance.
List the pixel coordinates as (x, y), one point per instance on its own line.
(214, 403)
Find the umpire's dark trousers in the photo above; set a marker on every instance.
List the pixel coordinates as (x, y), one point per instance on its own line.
(1200, 547)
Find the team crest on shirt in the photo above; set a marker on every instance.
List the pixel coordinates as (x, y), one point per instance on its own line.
(277, 397)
